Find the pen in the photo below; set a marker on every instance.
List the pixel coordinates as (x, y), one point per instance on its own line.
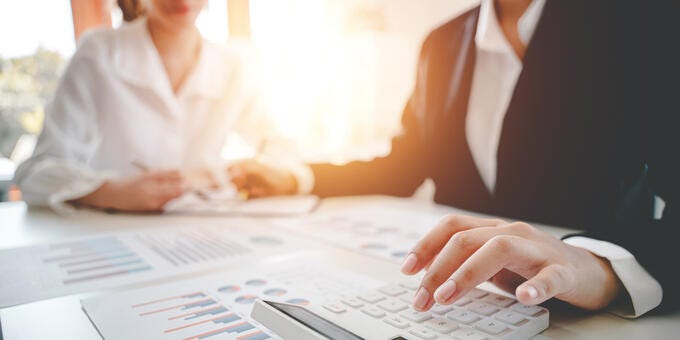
(139, 165)
(143, 167)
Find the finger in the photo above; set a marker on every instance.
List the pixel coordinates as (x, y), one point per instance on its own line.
(167, 175)
(239, 181)
(456, 251)
(169, 191)
(259, 192)
(551, 281)
(430, 245)
(502, 251)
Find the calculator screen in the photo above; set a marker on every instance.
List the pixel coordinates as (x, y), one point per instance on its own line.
(315, 322)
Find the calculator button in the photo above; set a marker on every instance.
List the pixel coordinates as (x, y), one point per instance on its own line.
(468, 334)
(410, 284)
(482, 308)
(462, 301)
(408, 298)
(491, 326)
(374, 312)
(441, 309)
(334, 307)
(476, 293)
(423, 333)
(415, 315)
(526, 310)
(393, 290)
(371, 297)
(441, 325)
(498, 300)
(352, 302)
(463, 316)
(510, 317)
(392, 306)
(397, 322)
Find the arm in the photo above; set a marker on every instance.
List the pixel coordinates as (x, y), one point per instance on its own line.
(56, 172)
(399, 173)
(653, 241)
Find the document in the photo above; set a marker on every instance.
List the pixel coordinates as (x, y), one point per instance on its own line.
(114, 260)
(219, 306)
(226, 202)
(384, 231)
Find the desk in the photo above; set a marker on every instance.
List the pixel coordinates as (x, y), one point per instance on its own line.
(62, 318)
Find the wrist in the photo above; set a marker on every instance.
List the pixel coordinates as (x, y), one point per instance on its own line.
(103, 197)
(612, 287)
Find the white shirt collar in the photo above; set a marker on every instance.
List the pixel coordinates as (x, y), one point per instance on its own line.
(489, 34)
(136, 60)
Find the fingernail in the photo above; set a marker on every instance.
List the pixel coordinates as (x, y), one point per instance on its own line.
(532, 292)
(409, 263)
(445, 292)
(421, 299)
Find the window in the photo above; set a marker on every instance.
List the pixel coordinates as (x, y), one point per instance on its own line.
(37, 40)
(338, 72)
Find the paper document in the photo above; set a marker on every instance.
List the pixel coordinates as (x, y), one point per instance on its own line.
(227, 203)
(219, 306)
(88, 264)
(379, 230)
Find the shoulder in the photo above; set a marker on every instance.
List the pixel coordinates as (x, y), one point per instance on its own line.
(95, 43)
(452, 28)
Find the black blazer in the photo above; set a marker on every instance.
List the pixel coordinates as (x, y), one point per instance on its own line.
(590, 136)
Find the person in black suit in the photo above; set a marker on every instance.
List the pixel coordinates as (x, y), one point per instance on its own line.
(586, 138)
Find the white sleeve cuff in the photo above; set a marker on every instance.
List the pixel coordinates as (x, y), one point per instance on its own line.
(58, 200)
(54, 182)
(645, 292)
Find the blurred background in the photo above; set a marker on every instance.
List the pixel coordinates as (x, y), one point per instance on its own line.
(335, 74)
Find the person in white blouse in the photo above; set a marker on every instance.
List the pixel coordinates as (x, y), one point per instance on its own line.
(140, 115)
(521, 108)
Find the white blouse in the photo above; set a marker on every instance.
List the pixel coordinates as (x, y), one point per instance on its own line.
(115, 105)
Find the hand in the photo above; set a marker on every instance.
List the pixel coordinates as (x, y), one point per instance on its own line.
(199, 179)
(147, 192)
(260, 180)
(463, 251)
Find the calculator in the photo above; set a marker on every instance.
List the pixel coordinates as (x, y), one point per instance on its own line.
(386, 314)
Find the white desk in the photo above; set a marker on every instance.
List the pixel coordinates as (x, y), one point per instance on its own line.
(62, 318)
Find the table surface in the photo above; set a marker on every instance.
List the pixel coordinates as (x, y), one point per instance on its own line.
(63, 318)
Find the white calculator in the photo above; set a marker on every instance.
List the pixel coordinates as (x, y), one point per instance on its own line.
(386, 314)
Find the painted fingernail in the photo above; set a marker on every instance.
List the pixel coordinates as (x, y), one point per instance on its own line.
(445, 292)
(532, 292)
(421, 299)
(409, 263)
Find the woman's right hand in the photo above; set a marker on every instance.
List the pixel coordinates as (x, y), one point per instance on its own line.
(259, 179)
(147, 192)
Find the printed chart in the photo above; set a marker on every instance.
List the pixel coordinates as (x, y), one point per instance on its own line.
(91, 260)
(39, 272)
(217, 306)
(385, 232)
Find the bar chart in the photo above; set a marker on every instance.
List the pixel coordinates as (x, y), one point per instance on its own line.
(193, 246)
(217, 306)
(116, 260)
(196, 315)
(93, 259)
